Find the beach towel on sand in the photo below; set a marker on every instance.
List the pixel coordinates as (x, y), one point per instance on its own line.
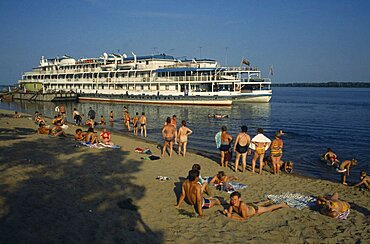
(144, 151)
(218, 139)
(97, 145)
(109, 146)
(152, 157)
(293, 200)
(259, 138)
(229, 187)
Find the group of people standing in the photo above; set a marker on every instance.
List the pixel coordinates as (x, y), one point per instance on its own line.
(244, 145)
(172, 136)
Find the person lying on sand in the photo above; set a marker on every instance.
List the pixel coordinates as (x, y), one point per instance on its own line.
(364, 180)
(239, 210)
(333, 207)
(191, 190)
(79, 135)
(17, 115)
(344, 168)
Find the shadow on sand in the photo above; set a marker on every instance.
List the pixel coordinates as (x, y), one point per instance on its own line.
(52, 191)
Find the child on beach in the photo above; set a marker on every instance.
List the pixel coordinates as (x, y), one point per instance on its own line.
(243, 211)
(42, 130)
(364, 180)
(331, 157)
(344, 168)
(79, 135)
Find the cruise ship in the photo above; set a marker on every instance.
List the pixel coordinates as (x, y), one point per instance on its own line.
(156, 79)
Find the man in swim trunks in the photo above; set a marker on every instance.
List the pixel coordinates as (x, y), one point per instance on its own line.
(191, 190)
(111, 116)
(62, 110)
(136, 123)
(244, 211)
(91, 113)
(142, 124)
(169, 134)
(344, 169)
(364, 180)
(226, 140)
(333, 207)
(183, 134)
(276, 152)
(260, 151)
(127, 120)
(241, 147)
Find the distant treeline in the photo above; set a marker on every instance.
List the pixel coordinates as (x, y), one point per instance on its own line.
(325, 84)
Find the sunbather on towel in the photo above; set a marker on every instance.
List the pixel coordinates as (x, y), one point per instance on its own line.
(221, 178)
(239, 210)
(79, 135)
(333, 207)
(105, 137)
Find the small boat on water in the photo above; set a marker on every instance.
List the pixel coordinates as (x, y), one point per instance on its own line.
(156, 79)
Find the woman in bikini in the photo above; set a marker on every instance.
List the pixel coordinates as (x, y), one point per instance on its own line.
(260, 142)
(333, 207)
(183, 134)
(244, 211)
(105, 137)
(226, 140)
(241, 147)
(276, 152)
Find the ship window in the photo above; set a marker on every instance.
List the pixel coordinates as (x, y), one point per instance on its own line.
(167, 87)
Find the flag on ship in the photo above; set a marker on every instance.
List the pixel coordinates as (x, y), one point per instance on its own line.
(246, 61)
(271, 71)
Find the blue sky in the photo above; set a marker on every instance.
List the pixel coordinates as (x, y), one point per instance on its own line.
(305, 41)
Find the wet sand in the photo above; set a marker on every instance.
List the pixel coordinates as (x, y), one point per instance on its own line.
(53, 191)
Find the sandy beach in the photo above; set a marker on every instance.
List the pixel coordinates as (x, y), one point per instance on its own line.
(53, 191)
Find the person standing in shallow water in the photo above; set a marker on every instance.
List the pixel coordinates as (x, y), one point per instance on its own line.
(143, 124)
(241, 147)
(182, 135)
(276, 152)
(226, 140)
(169, 134)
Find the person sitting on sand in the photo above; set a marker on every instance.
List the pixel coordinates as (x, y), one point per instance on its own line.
(106, 137)
(183, 134)
(364, 180)
(239, 210)
(344, 169)
(42, 130)
(58, 119)
(333, 207)
(331, 157)
(90, 137)
(221, 179)
(57, 130)
(191, 190)
(17, 115)
(79, 135)
(169, 134)
(38, 119)
(287, 166)
(90, 123)
(201, 181)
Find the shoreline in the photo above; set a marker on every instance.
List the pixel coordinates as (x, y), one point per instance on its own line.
(56, 192)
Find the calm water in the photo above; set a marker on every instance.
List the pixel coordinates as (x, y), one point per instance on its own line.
(312, 118)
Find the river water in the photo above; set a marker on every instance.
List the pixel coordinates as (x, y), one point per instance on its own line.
(312, 118)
